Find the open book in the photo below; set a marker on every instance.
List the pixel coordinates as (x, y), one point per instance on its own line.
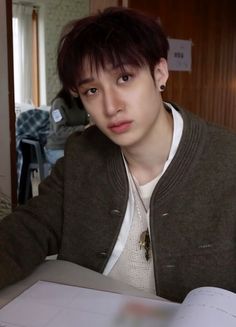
(47, 304)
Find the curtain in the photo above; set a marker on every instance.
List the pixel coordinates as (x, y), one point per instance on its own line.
(22, 52)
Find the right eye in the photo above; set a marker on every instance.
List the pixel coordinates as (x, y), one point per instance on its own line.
(91, 91)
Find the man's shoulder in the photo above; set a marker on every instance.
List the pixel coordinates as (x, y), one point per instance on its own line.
(92, 139)
(58, 102)
(90, 134)
(222, 135)
(214, 130)
(217, 142)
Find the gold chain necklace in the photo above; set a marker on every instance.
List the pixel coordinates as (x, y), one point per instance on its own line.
(144, 240)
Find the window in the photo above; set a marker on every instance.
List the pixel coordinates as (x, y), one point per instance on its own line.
(25, 52)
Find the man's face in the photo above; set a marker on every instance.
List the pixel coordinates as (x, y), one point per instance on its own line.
(124, 104)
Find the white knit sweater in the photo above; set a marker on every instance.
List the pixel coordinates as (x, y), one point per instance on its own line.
(132, 267)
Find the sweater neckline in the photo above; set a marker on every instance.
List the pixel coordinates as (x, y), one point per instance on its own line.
(189, 149)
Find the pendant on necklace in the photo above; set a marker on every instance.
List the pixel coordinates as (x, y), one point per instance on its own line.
(144, 242)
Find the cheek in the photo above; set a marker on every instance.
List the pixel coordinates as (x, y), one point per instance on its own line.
(96, 118)
(93, 106)
(94, 113)
(90, 108)
(147, 97)
(147, 92)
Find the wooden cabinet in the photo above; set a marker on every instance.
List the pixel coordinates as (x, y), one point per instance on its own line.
(210, 88)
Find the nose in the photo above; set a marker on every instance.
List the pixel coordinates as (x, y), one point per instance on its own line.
(112, 103)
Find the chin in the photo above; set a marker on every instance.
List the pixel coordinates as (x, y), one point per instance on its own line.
(124, 143)
(122, 140)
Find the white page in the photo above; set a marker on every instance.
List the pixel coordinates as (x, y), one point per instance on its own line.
(207, 307)
(47, 304)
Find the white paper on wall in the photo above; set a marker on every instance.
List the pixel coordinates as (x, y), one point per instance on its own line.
(180, 55)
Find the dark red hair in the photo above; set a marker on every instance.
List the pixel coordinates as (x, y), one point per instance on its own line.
(117, 35)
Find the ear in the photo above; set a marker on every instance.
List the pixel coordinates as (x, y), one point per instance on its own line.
(74, 94)
(161, 74)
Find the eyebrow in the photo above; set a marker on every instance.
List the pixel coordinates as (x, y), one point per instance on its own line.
(85, 81)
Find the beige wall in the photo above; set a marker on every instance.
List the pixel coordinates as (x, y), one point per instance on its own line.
(56, 14)
(96, 5)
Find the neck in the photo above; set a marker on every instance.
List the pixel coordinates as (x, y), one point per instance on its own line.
(146, 161)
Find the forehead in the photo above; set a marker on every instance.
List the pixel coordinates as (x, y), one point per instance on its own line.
(92, 69)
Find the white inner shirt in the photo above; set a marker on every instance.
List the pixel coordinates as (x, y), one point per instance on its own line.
(145, 190)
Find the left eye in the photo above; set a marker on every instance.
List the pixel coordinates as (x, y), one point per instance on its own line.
(124, 78)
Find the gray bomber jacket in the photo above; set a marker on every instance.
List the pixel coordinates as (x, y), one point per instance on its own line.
(81, 206)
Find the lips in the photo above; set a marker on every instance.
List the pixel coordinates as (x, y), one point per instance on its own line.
(120, 127)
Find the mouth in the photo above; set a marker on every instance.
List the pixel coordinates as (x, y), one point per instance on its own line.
(120, 127)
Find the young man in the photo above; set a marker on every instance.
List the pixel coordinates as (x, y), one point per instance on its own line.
(147, 195)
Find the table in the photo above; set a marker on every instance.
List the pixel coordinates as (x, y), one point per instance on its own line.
(72, 274)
